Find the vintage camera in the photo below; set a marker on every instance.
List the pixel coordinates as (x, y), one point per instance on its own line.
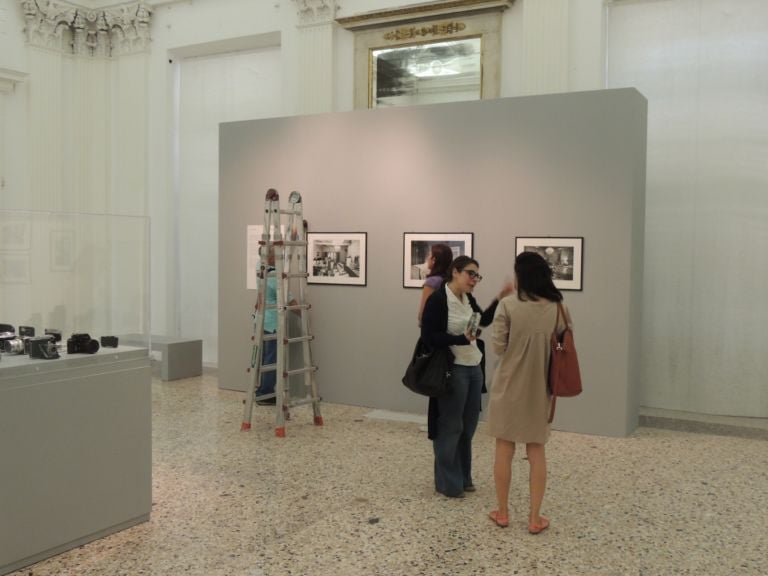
(43, 347)
(82, 344)
(55, 333)
(14, 346)
(25, 331)
(7, 332)
(109, 341)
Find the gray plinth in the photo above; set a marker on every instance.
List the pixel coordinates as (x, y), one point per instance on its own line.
(76, 446)
(181, 357)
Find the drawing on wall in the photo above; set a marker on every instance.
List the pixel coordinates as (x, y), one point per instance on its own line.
(337, 258)
(15, 235)
(564, 255)
(417, 247)
(14, 269)
(252, 260)
(62, 253)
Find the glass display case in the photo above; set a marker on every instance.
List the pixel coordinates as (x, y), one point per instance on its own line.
(75, 273)
(75, 426)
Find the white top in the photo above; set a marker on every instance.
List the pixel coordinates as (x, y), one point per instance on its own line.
(459, 313)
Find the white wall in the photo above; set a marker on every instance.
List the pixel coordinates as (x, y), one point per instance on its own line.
(704, 66)
(13, 175)
(212, 89)
(12, 50)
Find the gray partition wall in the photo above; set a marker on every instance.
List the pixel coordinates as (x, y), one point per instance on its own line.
(552, 165)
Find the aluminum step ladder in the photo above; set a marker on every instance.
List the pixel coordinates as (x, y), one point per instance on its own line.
(289, 269)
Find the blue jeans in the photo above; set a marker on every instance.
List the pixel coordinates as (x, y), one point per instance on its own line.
(268, 356)
(458, 413)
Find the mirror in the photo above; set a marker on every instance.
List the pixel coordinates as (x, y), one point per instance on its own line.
(426, 73)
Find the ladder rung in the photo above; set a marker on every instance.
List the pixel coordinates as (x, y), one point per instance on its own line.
(300, 371)
(290, 211)
(300, 339)
(268, 367)
(294, 307)
(281, 242)
(304, 401)
(269, 337)
(296, 275)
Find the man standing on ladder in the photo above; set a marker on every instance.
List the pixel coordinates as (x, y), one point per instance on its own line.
(269, 350)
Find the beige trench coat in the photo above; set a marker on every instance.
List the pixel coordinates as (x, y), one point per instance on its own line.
(519, 402)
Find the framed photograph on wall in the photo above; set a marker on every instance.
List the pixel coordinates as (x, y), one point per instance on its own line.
(62, 254)
(337, 258)
(15, 235)
(565, 256)
(14, 269)
(417, 247)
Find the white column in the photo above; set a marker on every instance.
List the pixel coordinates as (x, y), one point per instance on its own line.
(87, 114)
(315, 41)
(545, 45)
(8, 81)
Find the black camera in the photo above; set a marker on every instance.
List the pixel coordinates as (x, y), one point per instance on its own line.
(26, 331)
(7, 332)
(109, 341)
(82, 344)
(43, 347)
(55, 333)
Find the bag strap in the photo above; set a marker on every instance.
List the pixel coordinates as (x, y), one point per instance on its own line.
(555, 337)
(552, 409)
(557, 319)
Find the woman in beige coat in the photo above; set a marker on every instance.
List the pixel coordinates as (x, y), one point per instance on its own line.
(519, 403)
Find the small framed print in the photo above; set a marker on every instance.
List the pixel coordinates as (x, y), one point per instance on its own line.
(565, 255)
(337, 258)
(14, 268)
(253, 235)
(15, 235)
(417, 246)
(62, 253)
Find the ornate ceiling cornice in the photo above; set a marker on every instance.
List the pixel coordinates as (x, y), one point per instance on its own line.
(81, 31)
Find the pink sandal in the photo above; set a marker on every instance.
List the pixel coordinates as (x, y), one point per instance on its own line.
(498, 519)
(538, 528)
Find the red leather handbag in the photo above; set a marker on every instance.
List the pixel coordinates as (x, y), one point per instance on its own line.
(564, 375)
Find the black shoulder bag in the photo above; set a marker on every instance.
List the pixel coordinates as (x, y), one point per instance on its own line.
(429, 372)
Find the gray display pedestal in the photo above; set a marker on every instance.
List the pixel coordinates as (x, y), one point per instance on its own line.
(75, 449)
(181, 357)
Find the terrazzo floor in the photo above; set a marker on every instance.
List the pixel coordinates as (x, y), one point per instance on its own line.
(355, 497)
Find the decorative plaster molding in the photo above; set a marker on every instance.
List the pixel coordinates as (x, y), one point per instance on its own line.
(420, 12)
(9, 79)
(316, 12)
(410, 32)
(77, 30)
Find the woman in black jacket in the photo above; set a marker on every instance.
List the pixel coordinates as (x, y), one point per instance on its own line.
(453, 418)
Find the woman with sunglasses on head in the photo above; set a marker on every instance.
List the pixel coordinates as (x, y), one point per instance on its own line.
(518, 411)
(453, 417)
(440, 258)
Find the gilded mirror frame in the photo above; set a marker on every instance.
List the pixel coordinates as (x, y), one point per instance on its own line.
(423, 25)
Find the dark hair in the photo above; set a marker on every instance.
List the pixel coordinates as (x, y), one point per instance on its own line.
(534, 278)
(458, 264)
(443, 258)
